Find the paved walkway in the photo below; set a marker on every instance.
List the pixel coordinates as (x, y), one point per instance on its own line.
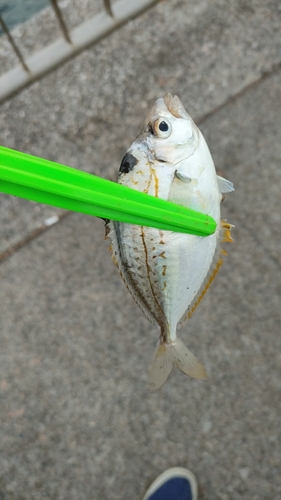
(77, 419)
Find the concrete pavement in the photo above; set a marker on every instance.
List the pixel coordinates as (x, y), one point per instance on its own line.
(77, 418)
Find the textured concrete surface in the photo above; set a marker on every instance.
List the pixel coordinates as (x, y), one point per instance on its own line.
(43, 28)
(85, 114)
(77, 418)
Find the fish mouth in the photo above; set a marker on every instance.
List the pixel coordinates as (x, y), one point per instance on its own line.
(169, 103)
(175, 106)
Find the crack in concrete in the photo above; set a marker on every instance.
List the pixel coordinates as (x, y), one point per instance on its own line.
(264, 75)
(31, 236)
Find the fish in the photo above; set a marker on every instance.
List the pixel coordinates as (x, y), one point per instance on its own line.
(166, 272)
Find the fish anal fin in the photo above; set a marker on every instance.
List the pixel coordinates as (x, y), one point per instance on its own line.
(225, 236)
(226, 227)
(205, 288)
(166, 356)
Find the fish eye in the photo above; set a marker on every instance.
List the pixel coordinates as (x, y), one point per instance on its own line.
(162, 128)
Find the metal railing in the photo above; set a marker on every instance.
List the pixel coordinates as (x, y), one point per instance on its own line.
(68, 45)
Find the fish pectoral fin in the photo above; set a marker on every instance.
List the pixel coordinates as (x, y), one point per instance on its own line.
(182, 176)
(225, 186)
(166, 356)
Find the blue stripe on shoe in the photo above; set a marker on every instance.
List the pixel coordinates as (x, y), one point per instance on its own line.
(177, 488)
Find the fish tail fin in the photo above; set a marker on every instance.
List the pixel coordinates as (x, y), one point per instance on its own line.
(187, 362)
(166, 356)
(161, 367)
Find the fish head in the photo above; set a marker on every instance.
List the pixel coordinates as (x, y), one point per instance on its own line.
(171, 160)
(169, 135)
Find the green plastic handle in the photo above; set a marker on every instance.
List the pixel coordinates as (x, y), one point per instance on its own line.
(48, 182)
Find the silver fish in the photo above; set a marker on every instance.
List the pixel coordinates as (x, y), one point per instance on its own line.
(168, 273)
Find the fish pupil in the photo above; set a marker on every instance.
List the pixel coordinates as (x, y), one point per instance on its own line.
(163, 126)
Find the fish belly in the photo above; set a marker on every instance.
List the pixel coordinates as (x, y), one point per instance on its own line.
(163, 270)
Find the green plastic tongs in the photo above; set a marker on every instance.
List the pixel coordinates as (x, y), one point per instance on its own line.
(47, 182)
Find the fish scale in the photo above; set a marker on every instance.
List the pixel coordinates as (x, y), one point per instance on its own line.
(168, 273)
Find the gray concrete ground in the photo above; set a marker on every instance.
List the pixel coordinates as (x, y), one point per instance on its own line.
(77, 418)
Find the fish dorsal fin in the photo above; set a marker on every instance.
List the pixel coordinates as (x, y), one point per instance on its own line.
(225, 186)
